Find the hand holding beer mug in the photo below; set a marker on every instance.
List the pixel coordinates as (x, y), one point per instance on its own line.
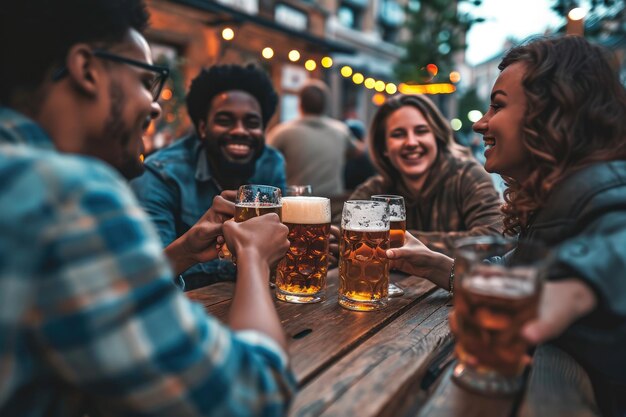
(301, 274)
(253, 201)
(492, 302)
(397, 227)
(363, 265)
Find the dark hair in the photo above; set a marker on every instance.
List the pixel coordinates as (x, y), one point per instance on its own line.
(35, 35)
(575, 116)
(437, 122)
(217, 79)
(313, 97)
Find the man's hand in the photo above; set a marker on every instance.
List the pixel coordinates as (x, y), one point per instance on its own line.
(199, 243)
(562, 303)
(201, 239)
(264, 236)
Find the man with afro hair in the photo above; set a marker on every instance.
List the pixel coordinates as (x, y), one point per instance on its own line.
(230, 107)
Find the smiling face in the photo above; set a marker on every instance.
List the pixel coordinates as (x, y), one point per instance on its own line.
(410, 143)
(131, 109)
(233, 130)
(502, 125)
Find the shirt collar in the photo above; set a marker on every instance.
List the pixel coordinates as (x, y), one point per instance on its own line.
(203, 169)
(18, 129)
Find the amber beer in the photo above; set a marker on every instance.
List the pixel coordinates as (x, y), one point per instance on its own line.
(246, 211)
(363, 266)
(301, 274)
(491, 307)
(397, 227)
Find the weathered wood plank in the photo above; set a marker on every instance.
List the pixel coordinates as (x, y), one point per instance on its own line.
(450, 400)
(380, 376)
(558, 386)
(212, 294)
(319, 334)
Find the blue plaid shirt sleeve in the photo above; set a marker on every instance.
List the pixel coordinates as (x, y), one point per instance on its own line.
(109, 320)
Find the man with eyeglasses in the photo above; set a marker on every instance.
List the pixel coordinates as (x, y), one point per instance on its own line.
(90, 323)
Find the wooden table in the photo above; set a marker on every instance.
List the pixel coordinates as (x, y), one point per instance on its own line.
(396, 361)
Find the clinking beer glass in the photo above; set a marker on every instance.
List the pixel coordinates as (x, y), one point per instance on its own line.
(252, 201)
(301, 274)
(397, 227)
(493, 299)
(363, 266)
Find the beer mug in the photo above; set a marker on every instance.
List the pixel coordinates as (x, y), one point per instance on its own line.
(296, 190)
(363, 266)
(397, 227)
(301, 274)
(492, 302)
(256, 200)
(252, 201)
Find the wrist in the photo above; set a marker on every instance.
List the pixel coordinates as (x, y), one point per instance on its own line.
(251, 256)
(444, 268)
(179, 258)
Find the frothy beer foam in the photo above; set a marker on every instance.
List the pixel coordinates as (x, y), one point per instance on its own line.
(306, 210)
(501, 285)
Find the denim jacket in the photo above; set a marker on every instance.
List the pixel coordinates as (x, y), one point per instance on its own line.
(584, 221)
(177, 188)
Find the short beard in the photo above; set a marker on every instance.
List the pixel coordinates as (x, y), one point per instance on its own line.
(230, 175)
(116, 130)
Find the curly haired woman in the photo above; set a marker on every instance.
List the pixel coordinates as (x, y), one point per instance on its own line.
(556, 131)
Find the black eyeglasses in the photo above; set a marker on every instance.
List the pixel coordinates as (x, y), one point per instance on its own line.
(156, 85)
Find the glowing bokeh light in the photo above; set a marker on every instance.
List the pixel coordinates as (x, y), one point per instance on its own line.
(346, 71)
(294, 56)
(310, 65)
(455, 76)
(267, 53)
(228, 34)
(378, 99)
(474, 115)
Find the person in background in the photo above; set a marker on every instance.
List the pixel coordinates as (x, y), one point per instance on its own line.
(90, 322)
(447, 193)
(358, 169)
(556, 131)
(230, 107)
(315, 146)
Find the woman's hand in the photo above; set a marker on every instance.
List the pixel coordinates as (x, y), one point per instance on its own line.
(416, 259)
(562, 303)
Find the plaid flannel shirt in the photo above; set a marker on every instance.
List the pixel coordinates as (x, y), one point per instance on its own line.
(90, 322)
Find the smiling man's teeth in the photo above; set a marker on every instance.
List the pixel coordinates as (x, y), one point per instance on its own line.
(238, 147)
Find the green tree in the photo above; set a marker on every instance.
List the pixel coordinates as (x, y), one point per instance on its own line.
(467, 102)
(437, 30)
